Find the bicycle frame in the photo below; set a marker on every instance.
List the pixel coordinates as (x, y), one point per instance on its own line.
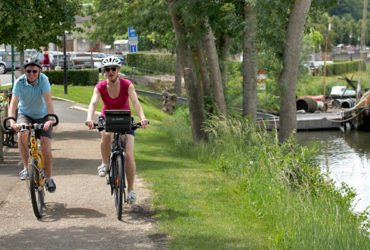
(36, 167)
(117, 149)
(36, 154)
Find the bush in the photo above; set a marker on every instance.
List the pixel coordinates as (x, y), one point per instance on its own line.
(82, 77)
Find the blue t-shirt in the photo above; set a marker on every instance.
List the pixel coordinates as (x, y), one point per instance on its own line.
(31, 99)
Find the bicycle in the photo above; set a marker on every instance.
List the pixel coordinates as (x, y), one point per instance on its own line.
(120, 123)
(36, 169)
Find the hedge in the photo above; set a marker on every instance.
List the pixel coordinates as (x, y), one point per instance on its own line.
(342, 67)
(166, 63)
(153, 62)
(81, 77)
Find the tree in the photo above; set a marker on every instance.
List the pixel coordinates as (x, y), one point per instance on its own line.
(212, 56)
(37, 23)
(192, 88)
(294, 34)
(250, 63)
(353, 7)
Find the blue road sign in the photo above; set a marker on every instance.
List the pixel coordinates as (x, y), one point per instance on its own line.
(133, 48)
(131, 32)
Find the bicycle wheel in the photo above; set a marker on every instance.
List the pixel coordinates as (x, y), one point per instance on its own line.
(119, 185)
(36, 191)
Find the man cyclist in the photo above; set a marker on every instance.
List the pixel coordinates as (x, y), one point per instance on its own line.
(32, 95)
(115, 93)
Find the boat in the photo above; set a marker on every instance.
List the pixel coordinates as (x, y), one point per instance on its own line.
(359, 115)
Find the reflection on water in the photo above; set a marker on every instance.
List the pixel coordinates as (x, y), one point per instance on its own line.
(346, 157)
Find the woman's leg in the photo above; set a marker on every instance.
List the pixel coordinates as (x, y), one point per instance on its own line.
(130, 162)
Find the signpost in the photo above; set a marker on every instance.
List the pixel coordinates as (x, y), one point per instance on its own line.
(261, 80)
(132, 40)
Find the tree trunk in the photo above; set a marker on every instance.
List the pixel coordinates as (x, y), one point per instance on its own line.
(192, 89)
(250, 63)
(224, 50)
(218, 92)
(178, 75)
(21, 59)
(1, 138)
(203, 75)
(203, 69)
(288, 117)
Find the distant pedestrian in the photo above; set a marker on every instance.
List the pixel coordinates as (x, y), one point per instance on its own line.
(46, 60)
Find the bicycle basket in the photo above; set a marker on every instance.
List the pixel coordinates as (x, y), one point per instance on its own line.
(118, 121)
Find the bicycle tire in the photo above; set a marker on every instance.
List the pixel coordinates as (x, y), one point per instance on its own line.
(119, 186)
(36, 192)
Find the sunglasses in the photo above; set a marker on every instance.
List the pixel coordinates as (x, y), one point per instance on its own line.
(109, 69)
(33, 71)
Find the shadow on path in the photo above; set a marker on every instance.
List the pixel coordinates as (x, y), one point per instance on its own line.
(55, 211)
(90, 237)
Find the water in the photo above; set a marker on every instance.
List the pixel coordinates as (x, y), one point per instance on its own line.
(346, 157)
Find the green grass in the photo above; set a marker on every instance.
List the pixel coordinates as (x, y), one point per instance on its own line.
(267, 195)
(243, 191)
(196, 204)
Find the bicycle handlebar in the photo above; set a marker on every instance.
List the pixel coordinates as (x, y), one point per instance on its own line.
(134, 126)
(36, 126)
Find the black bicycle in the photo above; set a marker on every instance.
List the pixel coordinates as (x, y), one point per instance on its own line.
(120, 123)
(36, 168)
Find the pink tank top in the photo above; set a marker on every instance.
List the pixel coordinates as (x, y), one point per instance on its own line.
(121, 102)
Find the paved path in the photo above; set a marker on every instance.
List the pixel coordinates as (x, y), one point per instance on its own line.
(81, 213)
(6, 80)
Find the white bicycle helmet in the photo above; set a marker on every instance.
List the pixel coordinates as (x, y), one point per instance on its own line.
(111, 61)
(32, 62)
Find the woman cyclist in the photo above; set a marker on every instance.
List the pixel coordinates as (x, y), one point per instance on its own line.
(115, 93)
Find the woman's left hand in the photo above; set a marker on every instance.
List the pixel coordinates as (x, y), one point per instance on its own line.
(144, 122)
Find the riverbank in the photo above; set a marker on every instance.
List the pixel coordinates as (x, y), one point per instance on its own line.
(235, 195)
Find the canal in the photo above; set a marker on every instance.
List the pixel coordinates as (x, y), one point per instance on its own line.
(345, 156)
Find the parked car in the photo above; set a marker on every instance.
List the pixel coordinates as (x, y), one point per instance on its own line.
(6, 61)
(3, 67)
(81, 60)
(98, 58)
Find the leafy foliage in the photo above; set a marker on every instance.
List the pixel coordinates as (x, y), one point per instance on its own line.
(352, 7)
(34, 24)
(110, 21)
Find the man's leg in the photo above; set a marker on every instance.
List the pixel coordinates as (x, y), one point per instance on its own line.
(48, 157)
(23, 146)
(48, 161)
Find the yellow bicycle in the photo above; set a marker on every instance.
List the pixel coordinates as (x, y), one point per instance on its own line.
(36, 169)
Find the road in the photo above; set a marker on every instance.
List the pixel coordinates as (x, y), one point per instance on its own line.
(81, 213)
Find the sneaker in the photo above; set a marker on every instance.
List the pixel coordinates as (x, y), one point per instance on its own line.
(102, 170)
(50, 185)
(131, 198)
(23, 174)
